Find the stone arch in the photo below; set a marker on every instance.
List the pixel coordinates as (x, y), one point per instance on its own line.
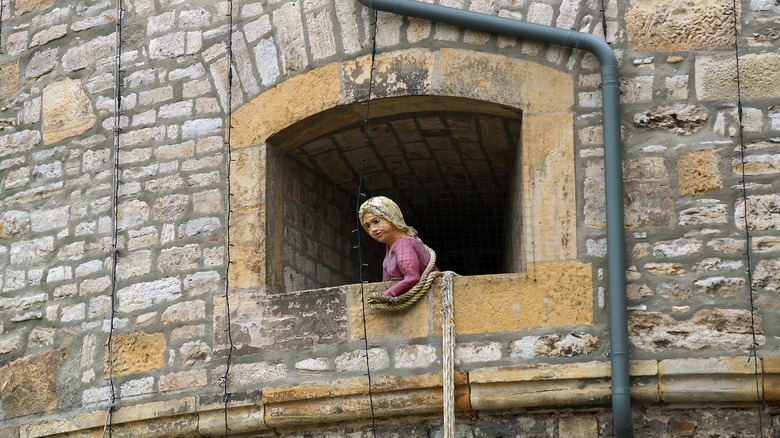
(481, 81)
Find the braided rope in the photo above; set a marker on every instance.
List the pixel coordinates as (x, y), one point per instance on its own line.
(383, 302)
(448, 355)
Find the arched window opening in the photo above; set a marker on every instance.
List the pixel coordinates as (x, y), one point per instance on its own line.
(453, 167)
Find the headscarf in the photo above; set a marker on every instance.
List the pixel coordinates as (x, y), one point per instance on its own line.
(385, 208)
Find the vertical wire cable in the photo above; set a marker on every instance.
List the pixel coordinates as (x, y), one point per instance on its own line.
(359, 196)
(1, 26)
(228, 213)
(748, 236)
(604, 20)
(107, 427)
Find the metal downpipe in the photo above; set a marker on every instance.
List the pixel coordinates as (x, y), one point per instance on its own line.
(613, 170)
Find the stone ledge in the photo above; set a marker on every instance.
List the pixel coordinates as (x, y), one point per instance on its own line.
(672, 383)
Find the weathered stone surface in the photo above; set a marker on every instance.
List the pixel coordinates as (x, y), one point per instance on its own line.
(474, 352)
(647, 198)
(548, 183)
(681, 119)
(28, 386)
(137, 353)
(674, 291)
(667, 25)
(144, 295)
(578, 427)
(763, 212)
(182, 380)
(716, 76)
(415, 356)
(763, 164)
(82, 56)
(710, 330)
(9, 78)
(715, 213)
(513, 82)
(67, 111)
(24, 6)
(346, 399)
(573, 344)
(767, 275)
(524, 386)
(397, 73)
(677, 247)
(260, 323)
(13, 223)
(698, 172)
(355, 361)
(284, 105)
(550, 295)
(720, 286)
(720, 379)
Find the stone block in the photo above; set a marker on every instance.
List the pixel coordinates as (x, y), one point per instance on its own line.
(667, 25)
(767, 275)
(396, 73)
(763, 164)
(251, 375)
(549, 192)
(249, 419)
(28, 386)
(25, 6)
(716, 76)
(67, 110)
(698, 172)
(648, 201)
(284, 105)
(86, 54)
(706, 330)
(770, 365)
(415, 356)
(413, 322)
(347, 399)
(261, 323)
(763, 212)
(355, 361)
(149, 294)
(495, 78)
(531, 386)
(715, 213)
(715, 380)
(9, 78)
(548, 295)
(137, 353)
(578, 427)
(680, 119)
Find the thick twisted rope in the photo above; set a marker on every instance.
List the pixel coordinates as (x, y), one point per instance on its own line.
(448, 355)
(379, 301)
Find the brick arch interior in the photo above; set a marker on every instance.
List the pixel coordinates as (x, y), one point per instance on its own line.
(308, 126)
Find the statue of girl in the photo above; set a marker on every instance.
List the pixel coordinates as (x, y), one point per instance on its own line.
(406, 257)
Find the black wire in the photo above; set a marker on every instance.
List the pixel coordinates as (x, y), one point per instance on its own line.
(107, 427)
(751, 289)
(359, 197)
(604, 20)
(228, 211)
(1, 26)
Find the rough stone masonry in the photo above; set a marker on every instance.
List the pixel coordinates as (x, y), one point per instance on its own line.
(701, 222)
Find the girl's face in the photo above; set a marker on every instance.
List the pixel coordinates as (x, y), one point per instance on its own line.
(380, 229)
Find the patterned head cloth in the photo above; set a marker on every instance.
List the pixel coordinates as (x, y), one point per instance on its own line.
(385, 208)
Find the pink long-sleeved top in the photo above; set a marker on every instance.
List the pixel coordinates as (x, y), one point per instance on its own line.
(405, 260)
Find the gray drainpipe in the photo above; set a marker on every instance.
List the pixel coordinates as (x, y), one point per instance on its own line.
(613, 171)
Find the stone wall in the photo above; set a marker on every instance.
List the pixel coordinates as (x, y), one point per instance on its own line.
(299, 354)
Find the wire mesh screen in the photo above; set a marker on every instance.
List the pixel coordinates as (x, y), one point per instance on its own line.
(452, 173)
